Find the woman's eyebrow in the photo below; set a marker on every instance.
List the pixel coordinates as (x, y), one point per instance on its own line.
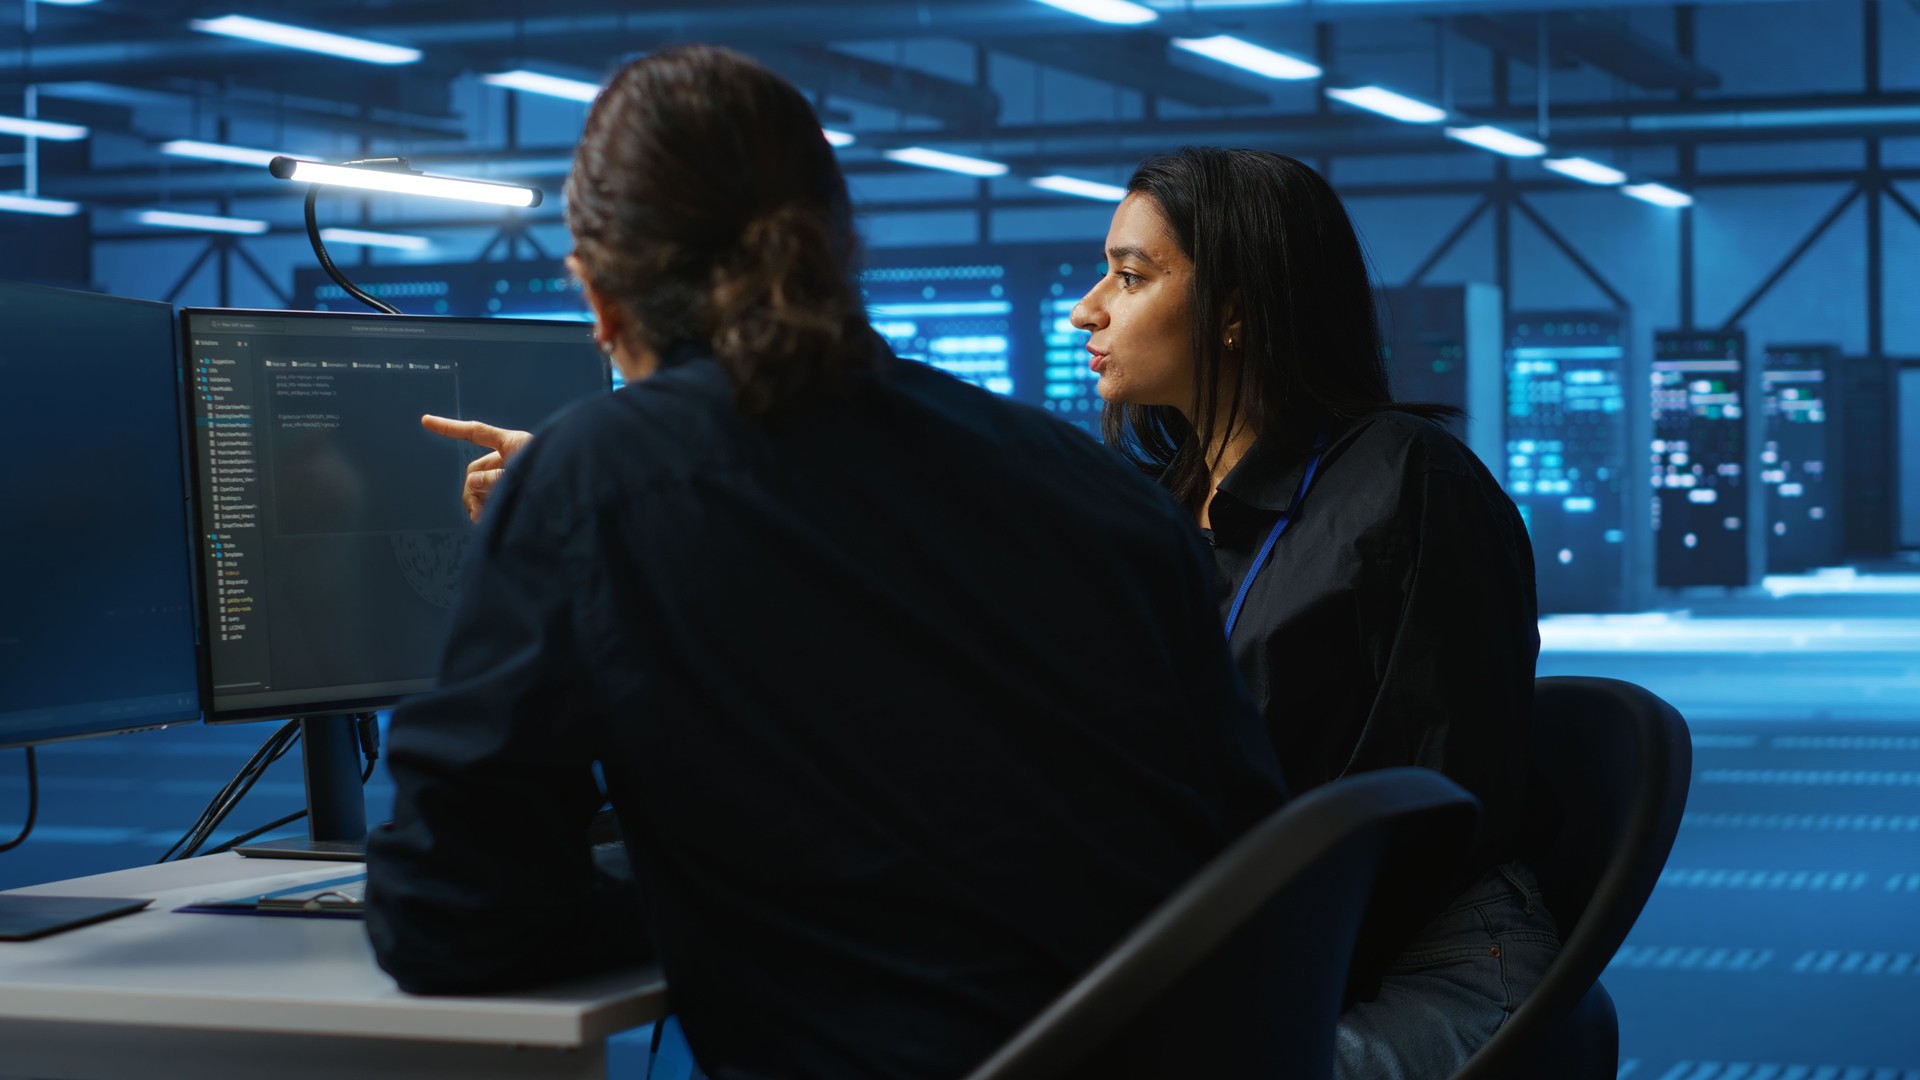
(1121, 254)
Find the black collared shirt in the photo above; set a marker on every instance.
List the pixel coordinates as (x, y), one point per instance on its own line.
(1396, 623)
(909, 704)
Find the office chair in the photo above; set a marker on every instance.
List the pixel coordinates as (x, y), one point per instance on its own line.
(1275, 917)
(1619, 760)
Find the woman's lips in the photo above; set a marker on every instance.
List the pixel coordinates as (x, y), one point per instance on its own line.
(1099, 359)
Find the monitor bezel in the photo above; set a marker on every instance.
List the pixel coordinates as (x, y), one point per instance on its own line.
(197, 710)
(204, 654)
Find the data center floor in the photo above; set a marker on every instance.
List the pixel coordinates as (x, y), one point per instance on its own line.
(1780, 944)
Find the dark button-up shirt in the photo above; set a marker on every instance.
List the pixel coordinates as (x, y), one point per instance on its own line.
(910, 705)
(1396, 622)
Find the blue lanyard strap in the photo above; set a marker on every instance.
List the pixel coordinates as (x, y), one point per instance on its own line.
(1266, 549)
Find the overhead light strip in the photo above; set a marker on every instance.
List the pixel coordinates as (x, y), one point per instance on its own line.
(1378, 99)
(1085, 189)
(1111, 12)
(266, 32)
(1582, 169)
(168, 219)
(366, 238)
(1497, 140)
(41, 129)
(32, 204)
(1658, 195)
(940, 159)
(206, 151)
(1247, 56)
(533, 82)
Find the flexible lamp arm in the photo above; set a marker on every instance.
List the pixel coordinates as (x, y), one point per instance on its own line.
(326, 261)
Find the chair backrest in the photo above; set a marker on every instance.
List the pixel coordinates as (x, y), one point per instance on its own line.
(1618, 760)
(1241, 971)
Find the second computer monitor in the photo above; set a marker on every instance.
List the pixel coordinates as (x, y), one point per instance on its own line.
(330, 526)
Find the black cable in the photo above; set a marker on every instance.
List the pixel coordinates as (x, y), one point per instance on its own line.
(369, 732)
(326, 260)
(33, 804)
(233, 801)
(255, 834)
(269, 752)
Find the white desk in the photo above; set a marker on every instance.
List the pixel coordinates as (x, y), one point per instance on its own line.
(163, 994)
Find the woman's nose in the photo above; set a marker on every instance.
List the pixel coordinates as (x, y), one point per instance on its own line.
(1087, 315)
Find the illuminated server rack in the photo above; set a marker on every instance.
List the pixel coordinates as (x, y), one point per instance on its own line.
(1705, 500)
(1799, 459)
(525, 289)
(954, 314)
(1571, 466)
(1442, 344)
(1067, 383)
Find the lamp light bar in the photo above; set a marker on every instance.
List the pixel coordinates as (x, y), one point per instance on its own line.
(30, 204)
(837, 138)
(1380, 100)
(69, 3)
(201, 222)
(940, 159)
(206, 151)
(1658, 195)
(300, 37)
(364, 238)
(532, 82)
(403, 182)
(1086, 189)
(1591, 172)
(41, 129)
(1497, 140)
(1249, 57)
(1113, 12)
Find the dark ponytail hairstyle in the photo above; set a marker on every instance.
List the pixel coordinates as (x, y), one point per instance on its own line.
(704, 198)
(1268, 237)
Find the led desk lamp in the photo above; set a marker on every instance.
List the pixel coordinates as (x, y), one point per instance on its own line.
(395, 175)
(336, 822)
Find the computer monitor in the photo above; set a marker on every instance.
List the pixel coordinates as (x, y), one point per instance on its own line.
(330, 526)
(96, 596)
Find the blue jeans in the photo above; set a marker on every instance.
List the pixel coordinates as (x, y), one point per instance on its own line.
(1464, 974)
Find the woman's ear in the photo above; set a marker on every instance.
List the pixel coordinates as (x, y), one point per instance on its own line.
(1233, 330)
(609, 318)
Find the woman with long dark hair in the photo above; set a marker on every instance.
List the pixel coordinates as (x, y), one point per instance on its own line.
(834, 631)
(1380, 595)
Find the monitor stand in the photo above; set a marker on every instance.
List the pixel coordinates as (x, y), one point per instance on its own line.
(336, 803)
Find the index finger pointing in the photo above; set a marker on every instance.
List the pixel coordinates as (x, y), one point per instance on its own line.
(472, 431)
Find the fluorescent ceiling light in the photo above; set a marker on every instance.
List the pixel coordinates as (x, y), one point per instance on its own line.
(1248, 56)
(70, 3)
(1086, 189)
(397, 241)
(1658, 195)
(1580, 168)
(206, 151)
(533, 82)
(837, 138)
(938, 159)
(28, 204)
(299, 37)
(404, 183)
(1116, 12)
(1387, 103)
(201, 222)
(41, 129)
(1500, 142)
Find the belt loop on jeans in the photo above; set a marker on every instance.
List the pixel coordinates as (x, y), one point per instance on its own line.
(1526, 897)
